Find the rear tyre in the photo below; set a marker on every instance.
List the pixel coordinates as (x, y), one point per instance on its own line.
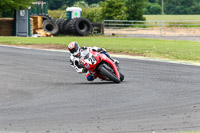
(50, 26)
(58, 21)
(64, 26)
(79, 26)
(109, 74)
(46, 17)
(60, 26)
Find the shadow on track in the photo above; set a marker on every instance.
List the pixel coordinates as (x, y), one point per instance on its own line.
(82, 83)
(99, 83)
(86, 83)
(96, 83)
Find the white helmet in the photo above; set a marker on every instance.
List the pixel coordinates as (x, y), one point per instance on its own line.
(74, 48)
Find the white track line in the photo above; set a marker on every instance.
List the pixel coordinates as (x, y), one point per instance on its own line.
(119, 56)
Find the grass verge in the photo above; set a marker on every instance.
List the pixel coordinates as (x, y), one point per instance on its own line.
(169, 49)
(171, 17)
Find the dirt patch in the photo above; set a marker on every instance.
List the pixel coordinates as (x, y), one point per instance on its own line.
(165, 31)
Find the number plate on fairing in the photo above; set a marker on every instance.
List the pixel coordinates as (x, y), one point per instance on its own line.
(90, 59)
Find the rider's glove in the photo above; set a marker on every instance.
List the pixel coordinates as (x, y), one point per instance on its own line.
(101, 50)
(98, 49)
(84, 70)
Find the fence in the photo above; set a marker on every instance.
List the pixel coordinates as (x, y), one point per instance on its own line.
(151, 28)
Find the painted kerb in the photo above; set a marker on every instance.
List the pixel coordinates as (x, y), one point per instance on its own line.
(151, 28)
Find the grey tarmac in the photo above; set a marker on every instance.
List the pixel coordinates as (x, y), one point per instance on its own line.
(41, 93)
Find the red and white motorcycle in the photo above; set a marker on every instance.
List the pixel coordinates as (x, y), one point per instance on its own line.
(102, 67)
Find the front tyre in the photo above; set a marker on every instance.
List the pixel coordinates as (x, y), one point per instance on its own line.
(109, 74)
(121, 76)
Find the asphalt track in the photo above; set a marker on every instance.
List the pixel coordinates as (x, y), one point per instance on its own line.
(41, 93)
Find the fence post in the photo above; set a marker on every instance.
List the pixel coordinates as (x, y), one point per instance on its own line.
(160, 28)
(102, 26)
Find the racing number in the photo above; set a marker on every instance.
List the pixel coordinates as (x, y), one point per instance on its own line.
(92, 60)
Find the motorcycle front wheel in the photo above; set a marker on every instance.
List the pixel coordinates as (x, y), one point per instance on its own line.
(121, 76)
(109, 75)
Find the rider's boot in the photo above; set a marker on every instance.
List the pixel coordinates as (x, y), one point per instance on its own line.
(90, 77)
(114, 60)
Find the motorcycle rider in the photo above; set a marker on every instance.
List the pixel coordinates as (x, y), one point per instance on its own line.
(77, 53)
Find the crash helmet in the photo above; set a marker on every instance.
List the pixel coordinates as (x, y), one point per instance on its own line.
(74, 49)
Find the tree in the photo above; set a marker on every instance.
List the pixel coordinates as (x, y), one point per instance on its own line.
(135, 9)
(196, 9)
(55, 4)
(153, 1)
(81, 4)
(63, 4)
(175, 6)
(7, 7)
(113, 10)
(153, 8)
(93, 1)
(182, 7)
(93, 14)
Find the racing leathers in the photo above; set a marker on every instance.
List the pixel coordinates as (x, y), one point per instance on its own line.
(75, 61)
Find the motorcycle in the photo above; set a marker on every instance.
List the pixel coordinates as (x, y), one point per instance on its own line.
(102, 67)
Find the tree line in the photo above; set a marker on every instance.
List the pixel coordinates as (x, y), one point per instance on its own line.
(112, 9)
(7, 7)
(151, 6)
(173, 7)
(61, 4)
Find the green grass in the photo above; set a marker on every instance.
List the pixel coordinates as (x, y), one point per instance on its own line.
(171, 17)
(170, 49)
